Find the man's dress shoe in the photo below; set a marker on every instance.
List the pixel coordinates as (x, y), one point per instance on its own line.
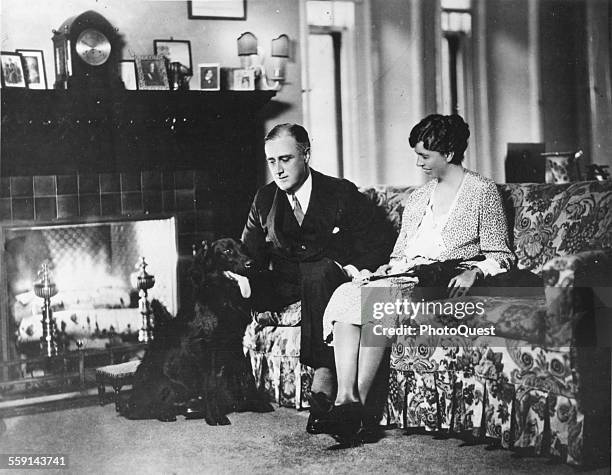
(320, 405)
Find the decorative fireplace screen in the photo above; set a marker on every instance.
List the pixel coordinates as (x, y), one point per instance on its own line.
(94, 268)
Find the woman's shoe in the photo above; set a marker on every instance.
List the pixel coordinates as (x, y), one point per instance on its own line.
(341, 422)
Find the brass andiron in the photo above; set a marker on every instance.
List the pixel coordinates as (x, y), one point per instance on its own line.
(144, 282)
(45, 288)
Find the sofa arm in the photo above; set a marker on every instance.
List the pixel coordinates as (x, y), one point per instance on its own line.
(571, 285)
(586, 268)
(290, 316)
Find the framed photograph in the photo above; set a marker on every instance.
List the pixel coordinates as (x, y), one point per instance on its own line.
(127, 71)
(13, 74)
(210, 76)
(244, 80)
(151, 71)
(34, 68)
(174, 50)
(217, 9)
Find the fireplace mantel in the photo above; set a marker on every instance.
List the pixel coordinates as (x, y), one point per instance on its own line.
(59, 132)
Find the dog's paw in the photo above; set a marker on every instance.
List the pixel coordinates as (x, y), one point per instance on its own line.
(167, 418)
(262, 406)
(217, 420)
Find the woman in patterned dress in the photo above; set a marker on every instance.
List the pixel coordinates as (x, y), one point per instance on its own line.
(458, 214)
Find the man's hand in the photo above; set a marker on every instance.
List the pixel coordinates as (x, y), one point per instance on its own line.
(384, 269)
(462, 283)
(355, 274)
(363, 277)
(242, 281)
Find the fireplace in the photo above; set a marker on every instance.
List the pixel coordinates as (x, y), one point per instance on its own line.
(86, 164)
(94, 266)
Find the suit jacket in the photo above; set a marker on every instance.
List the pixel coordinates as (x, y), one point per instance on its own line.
(340, 223)
(475, 226)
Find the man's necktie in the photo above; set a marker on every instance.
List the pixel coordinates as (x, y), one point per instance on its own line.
(297, 210)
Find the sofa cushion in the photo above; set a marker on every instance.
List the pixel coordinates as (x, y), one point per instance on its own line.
(519, 318)
(516, 317)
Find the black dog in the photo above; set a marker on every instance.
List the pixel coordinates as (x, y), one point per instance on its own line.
(195, 365)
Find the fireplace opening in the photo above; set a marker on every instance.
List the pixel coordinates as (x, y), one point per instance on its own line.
(94, 267)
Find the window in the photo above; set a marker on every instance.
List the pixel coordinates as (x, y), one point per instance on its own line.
(330, 25)
(456, 26)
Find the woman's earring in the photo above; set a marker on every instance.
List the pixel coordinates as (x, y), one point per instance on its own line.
(449, 157)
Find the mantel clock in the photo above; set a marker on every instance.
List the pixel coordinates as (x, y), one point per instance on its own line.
(86, 50)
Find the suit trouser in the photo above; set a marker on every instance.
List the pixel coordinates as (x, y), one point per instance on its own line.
(313, 283)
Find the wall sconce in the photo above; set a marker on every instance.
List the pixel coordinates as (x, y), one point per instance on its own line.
(251, 57)
(247, 47)
(280, 53)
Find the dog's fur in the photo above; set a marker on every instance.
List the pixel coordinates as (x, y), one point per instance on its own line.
(195, 363)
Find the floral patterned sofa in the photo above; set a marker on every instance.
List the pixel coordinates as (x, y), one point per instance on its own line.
(540, 386)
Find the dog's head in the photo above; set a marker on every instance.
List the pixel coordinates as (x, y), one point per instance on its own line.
(226, 254)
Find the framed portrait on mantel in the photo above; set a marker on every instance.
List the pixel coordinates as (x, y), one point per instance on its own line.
(244, 80)
(152, 74)
(13, 74)
(217, 9)
(127, 70)
(209, 76)
(34, 64)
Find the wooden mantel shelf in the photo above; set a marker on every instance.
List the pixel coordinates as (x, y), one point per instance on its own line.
(249, 100)
(63, 131)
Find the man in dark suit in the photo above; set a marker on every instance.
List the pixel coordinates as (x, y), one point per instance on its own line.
(309, 233)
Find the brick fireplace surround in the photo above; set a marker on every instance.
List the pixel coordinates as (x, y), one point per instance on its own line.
(52, 199)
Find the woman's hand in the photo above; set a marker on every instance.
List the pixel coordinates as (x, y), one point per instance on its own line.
(462, 283)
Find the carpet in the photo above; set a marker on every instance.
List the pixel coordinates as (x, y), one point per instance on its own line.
(96, 440)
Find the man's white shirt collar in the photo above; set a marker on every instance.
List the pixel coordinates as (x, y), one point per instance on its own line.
(303, 194)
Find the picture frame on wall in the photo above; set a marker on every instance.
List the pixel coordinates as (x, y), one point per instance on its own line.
(151, 72)
(174, 50)
(210, 74)
(217, 9)
(127, 71)
(13, 74)
(244, 80)
(34, 68)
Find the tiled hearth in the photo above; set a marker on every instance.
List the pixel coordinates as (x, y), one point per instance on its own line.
(50, 199)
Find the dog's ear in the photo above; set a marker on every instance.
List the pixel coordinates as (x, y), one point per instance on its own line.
(202, 264)
(205, 246)
(160, 312)
(202, 250)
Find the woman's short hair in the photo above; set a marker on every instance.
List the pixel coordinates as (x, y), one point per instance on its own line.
(443, 134)
(292, 130)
